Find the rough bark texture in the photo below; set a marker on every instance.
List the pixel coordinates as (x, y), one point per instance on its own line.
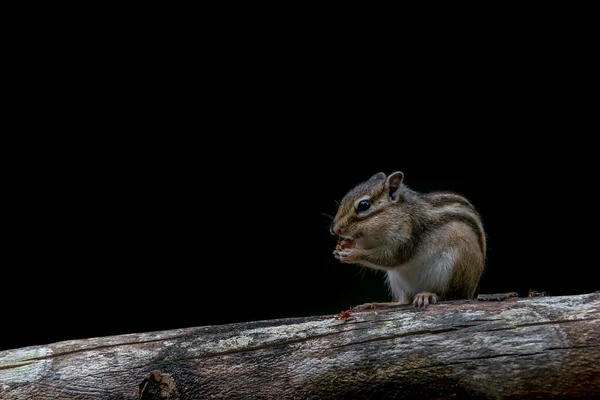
(517, 348)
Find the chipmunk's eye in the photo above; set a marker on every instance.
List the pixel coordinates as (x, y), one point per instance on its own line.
(363, 205)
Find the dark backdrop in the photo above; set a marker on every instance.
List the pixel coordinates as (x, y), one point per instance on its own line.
(151, 234)
(168, 198)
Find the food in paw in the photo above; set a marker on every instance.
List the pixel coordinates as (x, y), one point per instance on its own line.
(344, 244)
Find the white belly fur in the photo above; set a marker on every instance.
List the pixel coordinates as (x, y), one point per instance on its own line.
(428, 272)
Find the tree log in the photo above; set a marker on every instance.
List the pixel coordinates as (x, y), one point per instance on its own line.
(535, 347)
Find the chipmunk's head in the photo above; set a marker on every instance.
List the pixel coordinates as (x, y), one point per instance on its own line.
(362, 210)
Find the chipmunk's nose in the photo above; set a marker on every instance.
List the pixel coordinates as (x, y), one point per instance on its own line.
(335, 229)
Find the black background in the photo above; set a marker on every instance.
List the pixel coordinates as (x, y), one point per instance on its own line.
(197, 201)
(221, 232)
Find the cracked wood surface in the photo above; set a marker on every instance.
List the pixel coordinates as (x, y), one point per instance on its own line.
(518, 348)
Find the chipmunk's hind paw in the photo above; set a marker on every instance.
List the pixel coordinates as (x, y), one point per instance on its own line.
(424, 299)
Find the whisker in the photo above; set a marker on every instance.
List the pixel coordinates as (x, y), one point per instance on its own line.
(331, 217)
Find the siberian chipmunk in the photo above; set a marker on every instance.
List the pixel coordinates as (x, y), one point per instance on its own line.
(432, 245)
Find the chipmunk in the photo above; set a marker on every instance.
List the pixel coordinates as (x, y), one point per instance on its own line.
(432, 245)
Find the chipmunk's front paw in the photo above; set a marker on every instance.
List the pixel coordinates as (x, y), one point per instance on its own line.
(347, 255)
(424, 299)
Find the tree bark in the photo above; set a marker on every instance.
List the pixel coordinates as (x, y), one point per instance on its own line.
(537, 347)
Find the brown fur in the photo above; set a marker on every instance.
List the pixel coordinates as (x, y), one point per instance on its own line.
(403, 227)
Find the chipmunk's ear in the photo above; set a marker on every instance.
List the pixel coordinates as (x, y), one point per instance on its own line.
(393, 182)
(377, 176)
